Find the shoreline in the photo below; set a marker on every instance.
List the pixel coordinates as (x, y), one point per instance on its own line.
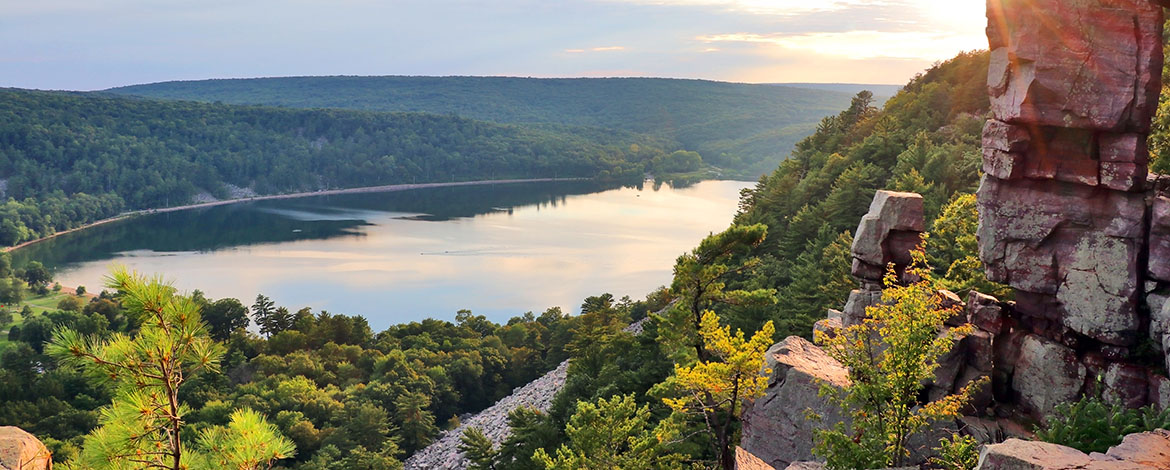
(325, 192)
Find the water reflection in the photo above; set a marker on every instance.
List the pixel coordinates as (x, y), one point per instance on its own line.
(393, 257)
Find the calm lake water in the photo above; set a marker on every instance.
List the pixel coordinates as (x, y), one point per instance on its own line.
(394, 257)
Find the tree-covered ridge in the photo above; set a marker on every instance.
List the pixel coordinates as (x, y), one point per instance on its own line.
(67, 159)
(743, 127)
(925, 139)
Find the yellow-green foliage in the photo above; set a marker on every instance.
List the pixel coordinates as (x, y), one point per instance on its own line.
(715, 388)
(733, 374)
(143, 426)
(248, 442)
(614, 434)
(957, 453)
(1160, 132)
(889, 356)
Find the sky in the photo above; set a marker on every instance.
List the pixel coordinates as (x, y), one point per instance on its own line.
(97, 44)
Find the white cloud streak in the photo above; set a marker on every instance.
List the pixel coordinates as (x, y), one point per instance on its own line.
(862, 44)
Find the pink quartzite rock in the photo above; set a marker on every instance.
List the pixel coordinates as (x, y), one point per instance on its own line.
(744, 460)
(1160, 239)
(1076, 245)
(1147, 448)
(892, 228)
(985, 312)
(1084, 64)
(1046, 374)
(20, 450)
(1127, 384)
(775, 426)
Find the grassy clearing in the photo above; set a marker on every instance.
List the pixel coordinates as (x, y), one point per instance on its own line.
(39, 305)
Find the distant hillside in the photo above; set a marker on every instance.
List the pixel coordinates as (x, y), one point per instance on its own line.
(736, 126)
(883, 91)
(70, 158)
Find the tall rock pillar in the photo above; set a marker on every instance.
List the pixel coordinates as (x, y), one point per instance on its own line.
(1063, 215)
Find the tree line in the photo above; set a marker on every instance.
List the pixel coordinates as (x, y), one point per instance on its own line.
(67, 159)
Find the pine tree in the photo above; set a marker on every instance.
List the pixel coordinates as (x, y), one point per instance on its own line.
(478, 449)
(614, 434)
(143, 427)
(699, 280)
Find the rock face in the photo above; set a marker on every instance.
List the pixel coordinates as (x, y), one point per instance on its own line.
(1073, 87)
(1046, 375)
(1143, 451)
(1068, 216)
(20, 450)
(775, 426)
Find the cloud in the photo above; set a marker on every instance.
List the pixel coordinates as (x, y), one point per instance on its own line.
(923, 45)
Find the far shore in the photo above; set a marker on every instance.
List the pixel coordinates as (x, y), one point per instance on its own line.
(324, 192)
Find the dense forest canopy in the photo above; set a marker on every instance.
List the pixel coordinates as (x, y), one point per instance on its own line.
(350, 398)
(741, 127)
(67, 159)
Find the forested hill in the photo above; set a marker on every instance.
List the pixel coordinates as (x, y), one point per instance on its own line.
(749, 128)
(925, 139)
(67, 158)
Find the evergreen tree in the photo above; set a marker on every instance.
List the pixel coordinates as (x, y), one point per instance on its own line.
(699, 281)
(143, 427)
(416, 425)
(614, 434)
(478, 449)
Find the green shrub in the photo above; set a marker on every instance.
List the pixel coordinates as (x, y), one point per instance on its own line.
(1091, 425)
(957, 453)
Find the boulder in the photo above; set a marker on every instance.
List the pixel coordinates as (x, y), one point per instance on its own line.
(1127, 384)
(977, 347)
(805, 465)
(982, 430)
(859, 300)
(1016, 454)
(1159, 391)
(1046, 374)
(1151, 449)
(985, 312)
(20, 450)
(776, 427)
(744, 460)
(888, 232)
(829, 327)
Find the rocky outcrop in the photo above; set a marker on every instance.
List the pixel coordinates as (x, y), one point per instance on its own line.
(1068, 216)
(20, 450)
(1143, 451)
(776, 426)
(886, 234)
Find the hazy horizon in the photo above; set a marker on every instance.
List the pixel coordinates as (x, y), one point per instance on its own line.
(77, 45)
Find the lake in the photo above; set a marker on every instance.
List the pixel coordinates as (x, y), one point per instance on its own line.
(498, 250)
